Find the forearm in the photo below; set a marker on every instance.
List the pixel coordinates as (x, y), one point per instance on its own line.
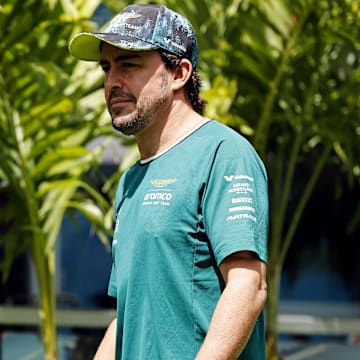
(106, 350)
(234, 317)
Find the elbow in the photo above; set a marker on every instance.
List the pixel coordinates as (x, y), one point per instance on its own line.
(263, 293)
(260, 295)
(262, 285)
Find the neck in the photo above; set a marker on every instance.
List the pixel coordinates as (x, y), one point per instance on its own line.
(167, 129)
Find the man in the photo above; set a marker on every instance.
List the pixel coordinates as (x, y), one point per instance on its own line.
(189, 246)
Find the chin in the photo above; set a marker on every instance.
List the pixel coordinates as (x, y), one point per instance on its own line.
(125, 127)
(121, 120)
(117, 122)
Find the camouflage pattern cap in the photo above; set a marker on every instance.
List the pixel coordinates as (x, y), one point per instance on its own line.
(138, 28)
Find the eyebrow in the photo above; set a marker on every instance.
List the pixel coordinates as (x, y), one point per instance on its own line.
(121, 58)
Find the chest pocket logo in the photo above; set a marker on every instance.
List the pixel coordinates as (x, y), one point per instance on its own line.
(162, 182)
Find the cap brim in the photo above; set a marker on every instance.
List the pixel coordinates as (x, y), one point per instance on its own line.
(86, 46)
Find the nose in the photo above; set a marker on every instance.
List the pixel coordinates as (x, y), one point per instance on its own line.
(113, 79)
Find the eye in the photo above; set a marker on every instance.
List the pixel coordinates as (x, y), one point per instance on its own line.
(128, 65)
(105, 68)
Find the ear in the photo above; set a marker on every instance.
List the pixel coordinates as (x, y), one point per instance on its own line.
(182, 74)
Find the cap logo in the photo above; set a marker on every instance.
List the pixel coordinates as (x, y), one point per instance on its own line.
(132, 27)
(120, 21)
(125, 16)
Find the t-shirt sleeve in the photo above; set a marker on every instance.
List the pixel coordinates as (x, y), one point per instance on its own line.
(235, 203)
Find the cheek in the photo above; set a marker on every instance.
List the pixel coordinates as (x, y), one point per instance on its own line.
(106, 91)
(156, 86)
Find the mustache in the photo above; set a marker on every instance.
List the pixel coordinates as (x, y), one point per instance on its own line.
(120, 93)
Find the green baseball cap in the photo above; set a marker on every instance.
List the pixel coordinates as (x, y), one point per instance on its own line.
(138, 28)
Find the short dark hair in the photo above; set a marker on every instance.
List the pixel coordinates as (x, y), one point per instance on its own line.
(192, 87)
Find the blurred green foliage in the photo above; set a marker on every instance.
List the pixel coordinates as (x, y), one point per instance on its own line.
(283, 73)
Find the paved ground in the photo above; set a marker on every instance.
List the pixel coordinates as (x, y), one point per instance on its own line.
(327, 352)
(27, 346)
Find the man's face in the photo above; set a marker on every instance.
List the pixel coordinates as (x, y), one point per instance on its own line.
(137, 87)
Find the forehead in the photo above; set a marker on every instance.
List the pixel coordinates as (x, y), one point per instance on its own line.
(110, 52)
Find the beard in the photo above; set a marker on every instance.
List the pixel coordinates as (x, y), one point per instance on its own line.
(145, 108)
(129, 124)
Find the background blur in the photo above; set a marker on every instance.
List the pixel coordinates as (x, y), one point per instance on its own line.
(285, 74)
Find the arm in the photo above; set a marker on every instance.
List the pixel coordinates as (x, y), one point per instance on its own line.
(238, 308)
(106, 349)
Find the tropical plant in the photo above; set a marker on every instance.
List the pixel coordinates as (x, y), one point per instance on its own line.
(50, 109)
(283, 73)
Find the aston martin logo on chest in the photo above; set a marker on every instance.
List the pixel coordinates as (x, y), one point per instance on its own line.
(162, 182)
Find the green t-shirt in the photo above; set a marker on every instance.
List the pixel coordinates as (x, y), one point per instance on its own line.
(177, 217)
